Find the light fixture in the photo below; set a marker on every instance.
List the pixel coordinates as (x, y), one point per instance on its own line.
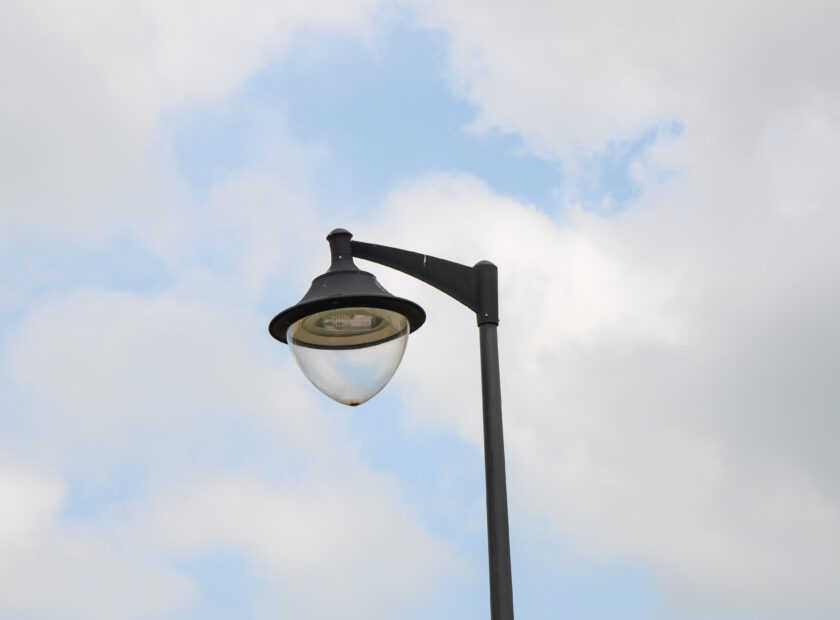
(348, 335)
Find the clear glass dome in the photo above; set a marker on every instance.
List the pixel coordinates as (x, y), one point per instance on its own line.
(349, 353)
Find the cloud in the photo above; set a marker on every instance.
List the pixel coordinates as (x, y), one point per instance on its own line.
(51, 569)
(575, 76)
(107, 371)
(335, 542)
(187, 396)
(671, 395)
(318, 543)
(90, 84)
(665, 397)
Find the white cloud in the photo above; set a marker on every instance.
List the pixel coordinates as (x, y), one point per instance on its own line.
(336, 542)
(667, 389)
(318, 542)
(668, 378)
(88, 84)
(105, 369)
(50, 569)
(570, 75)
(176, 390)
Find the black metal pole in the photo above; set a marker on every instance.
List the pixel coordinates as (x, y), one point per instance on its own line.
(498, 538)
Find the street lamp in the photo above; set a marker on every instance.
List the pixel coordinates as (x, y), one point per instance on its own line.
(348, 335)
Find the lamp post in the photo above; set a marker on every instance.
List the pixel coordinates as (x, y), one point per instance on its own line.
(348, 335)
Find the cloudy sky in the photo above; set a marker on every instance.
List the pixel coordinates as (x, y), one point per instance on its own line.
(657, 183)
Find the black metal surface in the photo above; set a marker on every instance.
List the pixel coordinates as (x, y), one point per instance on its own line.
(454, 279)
(498, 537)
(475, 287)
(487, 306)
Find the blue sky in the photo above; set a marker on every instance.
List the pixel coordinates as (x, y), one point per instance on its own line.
(162, 457)
(382, 111)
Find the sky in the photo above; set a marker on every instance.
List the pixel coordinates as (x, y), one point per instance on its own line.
(656, 183)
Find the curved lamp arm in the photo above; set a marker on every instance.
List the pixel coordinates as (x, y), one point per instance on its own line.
(475, 287)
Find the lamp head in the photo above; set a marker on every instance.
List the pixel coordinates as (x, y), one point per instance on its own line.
(348, 334)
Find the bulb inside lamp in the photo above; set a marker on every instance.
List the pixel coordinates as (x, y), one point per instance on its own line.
(349, 354)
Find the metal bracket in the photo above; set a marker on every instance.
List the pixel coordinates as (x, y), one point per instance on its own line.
(475, 287)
